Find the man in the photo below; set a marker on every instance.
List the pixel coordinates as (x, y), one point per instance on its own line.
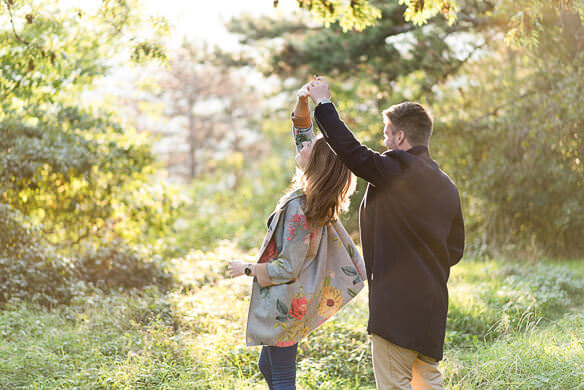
(412, 232)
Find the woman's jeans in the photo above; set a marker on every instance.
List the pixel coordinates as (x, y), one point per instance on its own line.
(278, 366)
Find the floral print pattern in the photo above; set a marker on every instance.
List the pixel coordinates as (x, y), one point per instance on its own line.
(296, 221)
(330, 301)
(298, 308)
(269, 253)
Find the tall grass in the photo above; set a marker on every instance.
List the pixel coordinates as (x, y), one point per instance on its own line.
(510, 326)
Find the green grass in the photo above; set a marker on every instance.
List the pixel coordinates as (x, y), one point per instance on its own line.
(511, 326)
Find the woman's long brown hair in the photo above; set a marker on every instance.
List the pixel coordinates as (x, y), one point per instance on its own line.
(327, 183)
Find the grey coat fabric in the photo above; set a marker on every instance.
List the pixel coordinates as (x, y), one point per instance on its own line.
(314, 270)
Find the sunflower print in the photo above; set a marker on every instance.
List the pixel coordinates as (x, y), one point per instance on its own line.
(330, 302)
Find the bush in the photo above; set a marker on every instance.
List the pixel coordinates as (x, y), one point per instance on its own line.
(116, 265)
(30, 269)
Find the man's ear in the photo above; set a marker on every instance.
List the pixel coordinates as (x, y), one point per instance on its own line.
(401, 137)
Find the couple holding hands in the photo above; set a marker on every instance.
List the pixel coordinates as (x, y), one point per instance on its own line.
(308, 267)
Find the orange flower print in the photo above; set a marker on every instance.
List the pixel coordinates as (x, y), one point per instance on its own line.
(330, 302)
(298, 308)
(270, 252)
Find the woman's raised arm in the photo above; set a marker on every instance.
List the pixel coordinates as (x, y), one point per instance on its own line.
(302, 129)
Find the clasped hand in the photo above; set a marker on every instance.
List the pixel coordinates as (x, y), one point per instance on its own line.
(317, 89)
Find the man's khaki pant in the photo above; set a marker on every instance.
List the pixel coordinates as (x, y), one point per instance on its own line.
(401, 368)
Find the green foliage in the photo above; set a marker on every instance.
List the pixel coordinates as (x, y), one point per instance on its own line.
(118, 266)
(75, 171)
(89, 344)
(550, 357)
(519, 148)
(529, 20)
(74, 177)
(355, 14)
(376, 59)
(194, 337)
(233, 202)
(203, 269)
(526, 17)
(506, 119)
(81, 177)
(32, 270)
(420, 11)
(50, 51)
(29, 269)
(508, 299)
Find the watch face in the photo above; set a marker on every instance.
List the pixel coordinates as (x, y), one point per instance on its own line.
(248, 270)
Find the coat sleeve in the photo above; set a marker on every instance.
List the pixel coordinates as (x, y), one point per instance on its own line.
(302, 130)
(456, 239)
(368, 164)
(294, 236)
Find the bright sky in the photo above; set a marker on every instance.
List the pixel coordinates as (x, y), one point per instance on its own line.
(203, 19)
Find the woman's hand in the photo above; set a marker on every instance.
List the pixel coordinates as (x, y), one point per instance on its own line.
(236, 268)
(301, 110)
(303, 93)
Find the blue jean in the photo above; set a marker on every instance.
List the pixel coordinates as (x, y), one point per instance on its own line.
(278, 366)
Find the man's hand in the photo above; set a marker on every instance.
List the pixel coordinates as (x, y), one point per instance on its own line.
(237, 268)
(319, 89)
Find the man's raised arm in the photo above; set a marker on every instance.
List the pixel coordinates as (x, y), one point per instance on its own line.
(364, 162)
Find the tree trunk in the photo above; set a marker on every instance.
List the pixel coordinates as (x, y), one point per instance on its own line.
(192, 141)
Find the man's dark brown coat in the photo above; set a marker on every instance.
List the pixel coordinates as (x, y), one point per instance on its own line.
(412, 232)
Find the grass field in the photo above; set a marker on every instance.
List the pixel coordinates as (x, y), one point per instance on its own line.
(510, 326)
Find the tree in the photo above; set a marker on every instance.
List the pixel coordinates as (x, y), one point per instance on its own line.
(208, 101)
(519, 147)
(70, 168)
(525, 16)
(506, 111)
(388, 62)
(387, 57)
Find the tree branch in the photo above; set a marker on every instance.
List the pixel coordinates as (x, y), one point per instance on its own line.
(18, 37)
(495, 110)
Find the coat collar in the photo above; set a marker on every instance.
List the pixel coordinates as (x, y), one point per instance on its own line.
(290, 196)
(419, 150)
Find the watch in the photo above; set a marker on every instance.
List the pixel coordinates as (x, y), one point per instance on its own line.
(248, 270)
(324, 100)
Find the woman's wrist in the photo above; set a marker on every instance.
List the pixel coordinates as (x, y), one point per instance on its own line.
(302, 110)
(251, 268)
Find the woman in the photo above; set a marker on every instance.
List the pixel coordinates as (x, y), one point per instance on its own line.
(308, 266)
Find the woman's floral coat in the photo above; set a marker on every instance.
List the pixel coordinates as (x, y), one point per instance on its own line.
(307, 275)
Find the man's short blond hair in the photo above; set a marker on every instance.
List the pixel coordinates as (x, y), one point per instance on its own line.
(413, 119)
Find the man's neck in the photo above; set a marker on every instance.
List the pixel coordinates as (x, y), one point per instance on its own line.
(405, 146)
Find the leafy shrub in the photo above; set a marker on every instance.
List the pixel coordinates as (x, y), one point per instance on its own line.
(551, 290)
(29, 269)
(116, 265)
(32, 270)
